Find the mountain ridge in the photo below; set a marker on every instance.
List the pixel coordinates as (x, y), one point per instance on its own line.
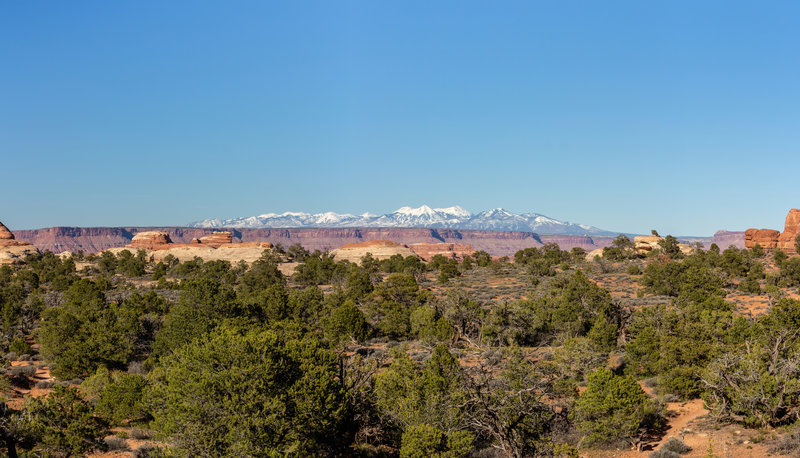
(455, 217)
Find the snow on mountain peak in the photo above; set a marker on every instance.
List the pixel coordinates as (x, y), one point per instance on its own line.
(455, 217)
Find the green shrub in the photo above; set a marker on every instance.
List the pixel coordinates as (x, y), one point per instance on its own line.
(614, 407)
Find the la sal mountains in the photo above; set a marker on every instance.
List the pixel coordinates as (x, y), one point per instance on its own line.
(497, 231)
(455, 217)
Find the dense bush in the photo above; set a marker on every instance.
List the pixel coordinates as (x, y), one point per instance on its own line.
(228, 394)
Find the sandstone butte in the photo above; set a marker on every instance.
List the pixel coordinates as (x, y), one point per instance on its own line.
(770, 239)
(216, 246)
(13, 251)
(379, 249)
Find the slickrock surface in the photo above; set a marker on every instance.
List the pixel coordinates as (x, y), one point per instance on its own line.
(379, 249)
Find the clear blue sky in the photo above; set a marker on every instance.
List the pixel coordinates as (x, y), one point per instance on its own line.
(678, 115)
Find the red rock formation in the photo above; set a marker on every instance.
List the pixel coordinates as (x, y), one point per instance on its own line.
(427, 251)
(7, 238)
(5, 234)
(790, 230)
(150, 240)
(217, 238)
(497, 243)
(767, 238)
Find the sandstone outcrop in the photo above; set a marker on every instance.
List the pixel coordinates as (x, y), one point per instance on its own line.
(13, 251)
(598, 253)
(212, 247)
(647, 243)
(767, 238)
(379, 249)
(427, 251)
(217, 239)
(150, 240)
(770, 239)
(790, 230)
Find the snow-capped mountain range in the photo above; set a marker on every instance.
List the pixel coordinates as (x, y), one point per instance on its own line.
(451, 217)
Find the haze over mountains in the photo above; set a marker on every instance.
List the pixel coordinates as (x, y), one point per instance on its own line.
(454, 217)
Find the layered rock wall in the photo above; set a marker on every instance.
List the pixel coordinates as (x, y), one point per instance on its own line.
(771, 239)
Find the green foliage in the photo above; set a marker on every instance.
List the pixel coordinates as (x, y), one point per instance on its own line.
(428, 326)
(571, 306)
(676, 344)
(262, 274)
(122, 399)
(130, 265)
(779, 256)
(319, 268)
(59, 424)
(505, 404)
(669, 245)
(614, 407)
(203, 305)
(428, 397)
(621, 248)
(227, 394)
(482, 258)
(347, 321)
(424, 440)
(789, 274)
(108, 262)
(20, 346)
(578, 357)
(85, 332)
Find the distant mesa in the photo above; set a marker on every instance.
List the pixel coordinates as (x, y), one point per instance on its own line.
(770, 239)
(13, 251)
